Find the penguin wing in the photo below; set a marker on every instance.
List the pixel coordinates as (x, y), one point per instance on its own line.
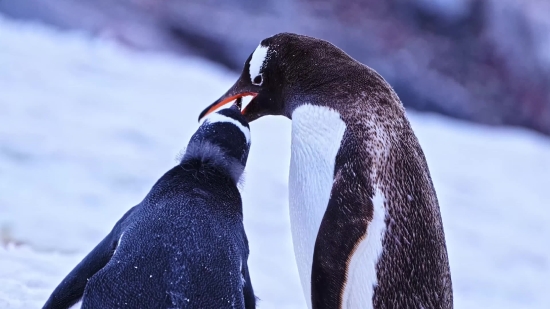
(343, 226)
(71, 289)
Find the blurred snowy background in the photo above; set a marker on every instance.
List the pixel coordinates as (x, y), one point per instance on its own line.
(97, 98)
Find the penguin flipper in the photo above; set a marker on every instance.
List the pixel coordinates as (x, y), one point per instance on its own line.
(344, 224)
(71, 289)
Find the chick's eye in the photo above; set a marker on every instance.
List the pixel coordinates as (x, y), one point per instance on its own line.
(257, 80)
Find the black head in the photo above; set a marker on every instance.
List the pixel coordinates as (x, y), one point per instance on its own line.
(281, 71)
(222, 141)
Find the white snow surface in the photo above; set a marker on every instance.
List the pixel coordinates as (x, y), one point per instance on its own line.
(87, 127)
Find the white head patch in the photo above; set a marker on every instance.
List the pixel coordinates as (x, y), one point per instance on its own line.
(257, 61)
(216, 117)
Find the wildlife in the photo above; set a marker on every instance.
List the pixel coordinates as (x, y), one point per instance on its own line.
(365, 219)
(184, 245)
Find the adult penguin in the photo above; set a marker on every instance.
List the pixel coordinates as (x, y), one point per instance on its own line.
(365, 219)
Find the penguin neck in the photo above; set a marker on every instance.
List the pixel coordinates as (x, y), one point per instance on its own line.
(317, 134)
(210, 159)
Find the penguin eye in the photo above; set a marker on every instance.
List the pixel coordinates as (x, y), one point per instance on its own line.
(258, 80)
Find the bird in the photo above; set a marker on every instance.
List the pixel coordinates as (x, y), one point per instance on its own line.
(365, 219)
(184, 245)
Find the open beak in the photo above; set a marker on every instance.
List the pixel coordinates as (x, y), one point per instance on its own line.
(226, 98)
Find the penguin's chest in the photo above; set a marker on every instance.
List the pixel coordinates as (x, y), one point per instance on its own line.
(317, 133)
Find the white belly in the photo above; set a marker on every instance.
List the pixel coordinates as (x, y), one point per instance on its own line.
(316, 136)
(317, 133)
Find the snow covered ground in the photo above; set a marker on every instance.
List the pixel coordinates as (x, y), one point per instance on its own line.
(87, 127)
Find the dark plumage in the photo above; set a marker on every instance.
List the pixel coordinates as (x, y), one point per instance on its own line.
(378, 151)
(184, 245)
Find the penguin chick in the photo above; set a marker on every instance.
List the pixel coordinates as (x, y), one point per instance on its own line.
(184, 245)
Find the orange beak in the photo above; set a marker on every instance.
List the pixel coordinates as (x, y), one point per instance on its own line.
(224, 100)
